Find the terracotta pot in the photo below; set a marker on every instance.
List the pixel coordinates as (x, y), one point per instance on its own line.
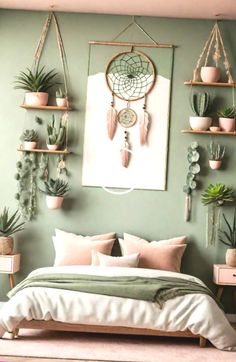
(30, 145)
(200, 123)
(230, 257)
(210, 74)
(61, 102)
(227, 124)
(6, 245)
(53, 147)
(215, 164)
(36, 99)
(54, 202)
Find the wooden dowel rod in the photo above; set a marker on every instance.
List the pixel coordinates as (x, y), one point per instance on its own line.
(144, 45)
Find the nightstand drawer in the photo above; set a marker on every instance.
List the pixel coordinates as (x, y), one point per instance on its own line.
(9, 263)
(224, 275)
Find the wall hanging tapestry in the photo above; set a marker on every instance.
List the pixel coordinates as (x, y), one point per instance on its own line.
(127, 114)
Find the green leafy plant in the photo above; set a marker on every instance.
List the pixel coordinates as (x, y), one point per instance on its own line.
(57, 187)
(194, 168)
(9, 224)
(56, 136)
(216, 151)
(60, 93)
(29, 135)
(200, 103)
(217, 194)
(228, 237)
(36, 81)
(227, 112)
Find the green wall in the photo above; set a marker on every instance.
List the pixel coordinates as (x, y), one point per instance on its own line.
(150, 214)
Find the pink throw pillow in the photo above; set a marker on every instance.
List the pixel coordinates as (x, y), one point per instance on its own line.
(173, 241)
(74, 251)
(163, 256)
(65, 234)
(129, 261)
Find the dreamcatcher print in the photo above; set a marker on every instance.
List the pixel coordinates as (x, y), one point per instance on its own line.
(130, 76)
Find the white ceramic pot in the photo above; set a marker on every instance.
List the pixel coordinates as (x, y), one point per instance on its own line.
(30, 145)
(210, 74)
(6, 245)
(227, 124)
(61, 102)
(200, 123)
(36, 99)
(53, 147)
(230, 257)
(54, 202)
(215, 164)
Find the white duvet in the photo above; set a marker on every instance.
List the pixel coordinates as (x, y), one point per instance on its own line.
(197, 312)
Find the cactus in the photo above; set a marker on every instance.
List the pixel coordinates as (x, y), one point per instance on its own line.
(60, 93)
(55, 136)
(57, 187)
(200, 103)
(216, 151)
(29, 135)
(227, 112)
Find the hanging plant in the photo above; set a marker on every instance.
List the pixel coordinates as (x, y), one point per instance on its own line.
(214, 197)
(191, 184)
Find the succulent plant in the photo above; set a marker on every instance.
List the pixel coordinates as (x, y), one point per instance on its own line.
(29, 135)
(57, 187)
(9, 224)
(36, 81)
(228, 238)
(217, 194)
(216, 151)
(55, 136)
(200, 103)
(194, 168)
(60, 93)
(227, 112)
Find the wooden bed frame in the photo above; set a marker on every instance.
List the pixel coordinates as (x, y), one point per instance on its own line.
(59, 326)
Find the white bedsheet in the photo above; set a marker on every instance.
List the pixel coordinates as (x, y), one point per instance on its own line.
(197, 312)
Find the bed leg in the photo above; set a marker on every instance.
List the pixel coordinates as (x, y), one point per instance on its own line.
(202, 342)
(16, 332)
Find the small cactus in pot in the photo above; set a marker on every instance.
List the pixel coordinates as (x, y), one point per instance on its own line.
(56, 135)
(200, 104)
(227, 119)
(30, 139)
(61, 99)
(216, 154)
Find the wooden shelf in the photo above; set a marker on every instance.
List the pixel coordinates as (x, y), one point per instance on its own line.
(37, 150)
(215, 84)
(209, 132)
(55, 108)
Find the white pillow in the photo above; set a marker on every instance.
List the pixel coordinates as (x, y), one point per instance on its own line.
(129, 261)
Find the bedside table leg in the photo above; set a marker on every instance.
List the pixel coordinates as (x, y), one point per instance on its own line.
(219, 293)
(11, 280)
(235, 299)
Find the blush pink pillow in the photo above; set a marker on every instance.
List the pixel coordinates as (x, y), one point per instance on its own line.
(66, 235)
(166, 255)
(129, 261)
(75, 251)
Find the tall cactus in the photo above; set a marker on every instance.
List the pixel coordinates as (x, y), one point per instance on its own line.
(200, 103)
(55, 136)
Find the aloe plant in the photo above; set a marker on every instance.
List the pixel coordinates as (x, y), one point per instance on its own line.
(228, 237)
(55, 136)
(57, 187)
(60, 93)
(216, 151)
(227, 112)
(9, 224)
(29, 135)
(217, 194)
(200, 103)
(36, 81)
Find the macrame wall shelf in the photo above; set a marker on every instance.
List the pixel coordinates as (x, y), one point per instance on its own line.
(209, 132)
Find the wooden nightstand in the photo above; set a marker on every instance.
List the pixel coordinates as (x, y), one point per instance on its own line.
(224, 275)
(10, 264)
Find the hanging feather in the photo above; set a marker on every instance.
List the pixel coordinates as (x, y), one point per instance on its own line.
(111, 119)
(124, 152)
(144, 127)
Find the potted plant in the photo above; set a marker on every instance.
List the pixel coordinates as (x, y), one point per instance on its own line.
(216, 152)
(56, 136)
(30, 139)
(210, 74)
(55, 191)
(200, 103)
(36, 83)
(61, 99)
(9, 225)
(227, 119)
(229, 239)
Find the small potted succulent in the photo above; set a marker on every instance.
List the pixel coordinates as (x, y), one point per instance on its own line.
(227, 119)
(61, 99)
(9, 225)
(229, 239)
(55, 191)
(200, 103)
(30, 139)
(210, 74)
(36, 83)
(56, 136)
(216, 153)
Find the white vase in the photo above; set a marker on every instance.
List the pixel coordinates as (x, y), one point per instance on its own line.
(6, 245)
(54, 202)
(215, 164)
(53, 147)
(230, 257)
(200, 123)
(30, 145)
(227, 124)
(61, 102)
(36, 99)
(210, 74)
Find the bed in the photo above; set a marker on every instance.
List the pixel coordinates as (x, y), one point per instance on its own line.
(191, 315)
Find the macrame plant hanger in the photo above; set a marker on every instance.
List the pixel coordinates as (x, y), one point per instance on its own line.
(130, 76)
